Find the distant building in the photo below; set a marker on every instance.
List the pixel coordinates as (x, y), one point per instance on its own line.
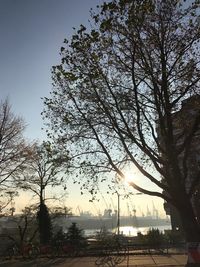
(184, 123)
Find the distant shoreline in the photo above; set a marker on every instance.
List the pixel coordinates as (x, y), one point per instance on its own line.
(95, 223)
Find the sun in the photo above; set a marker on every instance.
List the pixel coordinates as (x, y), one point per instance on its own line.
(129, 178)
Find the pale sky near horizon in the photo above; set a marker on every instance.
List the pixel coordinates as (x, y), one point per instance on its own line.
(32, 32)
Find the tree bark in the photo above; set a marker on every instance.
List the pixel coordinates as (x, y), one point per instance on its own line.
(191, 228)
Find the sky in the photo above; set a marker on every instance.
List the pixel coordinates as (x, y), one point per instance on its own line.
(32, 32)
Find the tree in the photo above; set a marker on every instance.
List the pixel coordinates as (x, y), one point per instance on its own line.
(116, 93)
(44, 222)
(14, 151)
(155, 238)
(25, 229)
(7, 202)
(26, 224)
(46, 169)
(76, 236)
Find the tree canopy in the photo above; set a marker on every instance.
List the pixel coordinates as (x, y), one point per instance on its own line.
(117, 90)
(45, 170)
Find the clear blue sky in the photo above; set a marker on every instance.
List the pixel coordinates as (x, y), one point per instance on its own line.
(31, 34)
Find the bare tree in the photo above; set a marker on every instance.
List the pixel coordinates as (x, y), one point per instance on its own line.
(44, 171)
(7, 202)
(116, 93)
(14, 151)
(26, 228)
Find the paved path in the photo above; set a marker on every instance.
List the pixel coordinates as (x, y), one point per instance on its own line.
(132, 261)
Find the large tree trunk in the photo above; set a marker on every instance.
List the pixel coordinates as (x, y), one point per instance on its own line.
(191, 228)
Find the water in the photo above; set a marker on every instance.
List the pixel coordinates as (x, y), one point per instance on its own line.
(128, 230)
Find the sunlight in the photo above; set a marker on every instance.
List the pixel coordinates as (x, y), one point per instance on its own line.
(129, 177)
(132, 175)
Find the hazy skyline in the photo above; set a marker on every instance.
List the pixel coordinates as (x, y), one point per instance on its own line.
(32, 32)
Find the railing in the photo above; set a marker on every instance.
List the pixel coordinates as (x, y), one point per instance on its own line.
(111, 253)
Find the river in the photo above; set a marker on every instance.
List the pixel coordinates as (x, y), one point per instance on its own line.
(129, 230)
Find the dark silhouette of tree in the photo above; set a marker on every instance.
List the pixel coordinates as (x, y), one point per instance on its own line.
(14, 151)
(26, 224)
(44, 223)
(75, 236)
(116, 93)
(7, 201)
(26, 228)
(46, 169)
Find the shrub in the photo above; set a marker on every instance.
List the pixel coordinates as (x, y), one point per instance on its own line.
(155, 238)
(75, 236)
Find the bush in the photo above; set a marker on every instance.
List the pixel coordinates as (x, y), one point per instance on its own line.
(155, 238)
(75, 236)
(175, 237)
(59, 237)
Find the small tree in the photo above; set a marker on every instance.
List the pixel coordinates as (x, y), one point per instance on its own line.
(75, 236)
(27, 225)
(7, 201)
(26, 228)
(155, 238)
(43, 171)
(59, 237)
(46, 169)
